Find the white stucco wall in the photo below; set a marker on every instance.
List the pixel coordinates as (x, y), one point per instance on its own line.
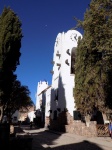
(62, 78)
(16, 114)
(48, 102)
(40, 87)
(31, 116)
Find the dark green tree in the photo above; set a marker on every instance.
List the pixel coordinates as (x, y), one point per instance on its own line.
(19, 98)
(93, 69)
(10, 44)
(10, 39)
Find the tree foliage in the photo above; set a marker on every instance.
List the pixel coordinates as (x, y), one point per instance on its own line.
(19, 98)
(93, 78)
(13, 95)
(10, 39)
(10, 44)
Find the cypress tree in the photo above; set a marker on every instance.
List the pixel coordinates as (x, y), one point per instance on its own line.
(10, 44)
(93, 78)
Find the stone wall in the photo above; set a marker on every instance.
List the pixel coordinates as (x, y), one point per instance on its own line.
(80, 128)
(65, 123)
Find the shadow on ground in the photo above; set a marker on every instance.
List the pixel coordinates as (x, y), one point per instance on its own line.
(40, 140)
(47, 141)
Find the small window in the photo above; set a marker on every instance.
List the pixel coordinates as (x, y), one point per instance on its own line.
(56, 94)
(15, 118)
(73, 60)
(68, 51)
(55, 115)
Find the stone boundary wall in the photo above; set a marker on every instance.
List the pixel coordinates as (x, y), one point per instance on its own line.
(80, 128)
(65, 123)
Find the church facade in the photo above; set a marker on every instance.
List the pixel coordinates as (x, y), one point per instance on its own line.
(58, 98)
(56, 102)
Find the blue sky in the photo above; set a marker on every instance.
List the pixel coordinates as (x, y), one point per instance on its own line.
(41, 21)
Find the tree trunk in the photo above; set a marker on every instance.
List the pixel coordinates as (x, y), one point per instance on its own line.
(87, 119)
(4, 135)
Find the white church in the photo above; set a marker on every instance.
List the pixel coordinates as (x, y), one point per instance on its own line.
(52, 100)
(55, 103)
